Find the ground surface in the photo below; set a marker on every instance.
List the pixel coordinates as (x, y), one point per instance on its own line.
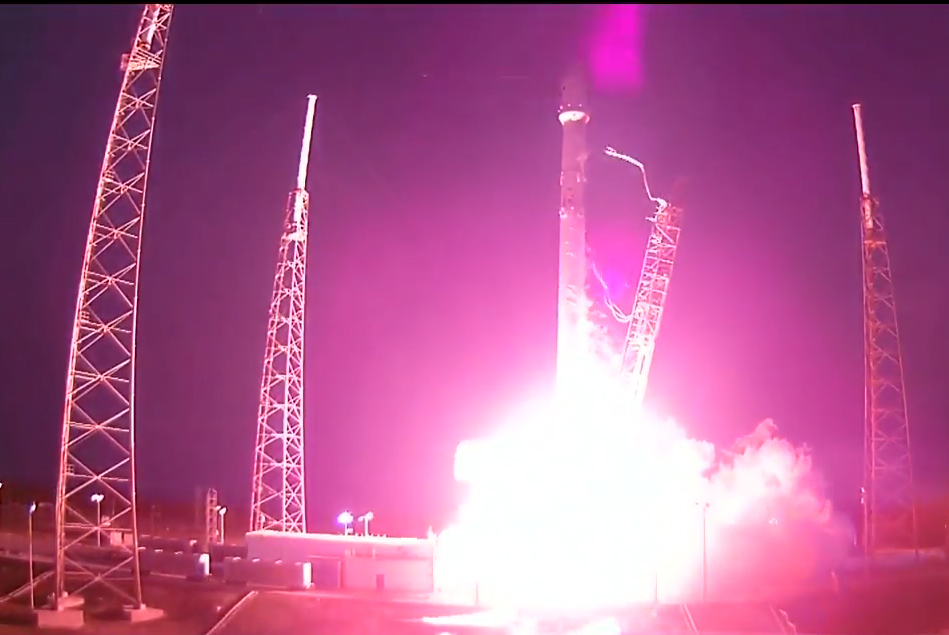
(888, 604)
(895, 603)
(280, 613)
(190, 608)
(283, 614)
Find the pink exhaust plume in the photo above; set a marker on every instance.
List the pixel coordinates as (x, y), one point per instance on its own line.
(615, 45)
(577, 502)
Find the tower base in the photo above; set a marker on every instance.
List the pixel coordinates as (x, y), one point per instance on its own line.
(64, 619)
(143, 614)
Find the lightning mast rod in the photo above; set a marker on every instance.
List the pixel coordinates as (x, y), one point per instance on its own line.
(864, 169)
(307, 139)
(889, 506)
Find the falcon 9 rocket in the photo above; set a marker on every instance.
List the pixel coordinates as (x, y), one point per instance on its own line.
(571, 296)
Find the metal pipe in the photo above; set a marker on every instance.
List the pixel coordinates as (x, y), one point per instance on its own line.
(307, 136)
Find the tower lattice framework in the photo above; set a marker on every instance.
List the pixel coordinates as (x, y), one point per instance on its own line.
(278, 500)
(644, 320)
(651, 293)
(888, 493)
(97, 455)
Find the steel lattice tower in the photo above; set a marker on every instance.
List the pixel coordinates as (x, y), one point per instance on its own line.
(97, 455)
(278, 501)
(651, 291)
(889, 504)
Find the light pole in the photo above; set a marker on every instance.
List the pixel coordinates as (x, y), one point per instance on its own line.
(655, 587)
(866, 536)
(364, 519)
(97, 499)
(346, 520)
(29, 535)
(704, 506)
(659, 546)
(221, 512)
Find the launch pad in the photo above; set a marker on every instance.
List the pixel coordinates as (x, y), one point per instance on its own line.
(106, 314)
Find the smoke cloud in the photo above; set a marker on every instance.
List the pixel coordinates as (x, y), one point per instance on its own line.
(581, 500)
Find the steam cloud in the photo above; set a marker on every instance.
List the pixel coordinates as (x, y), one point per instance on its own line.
(579, 501)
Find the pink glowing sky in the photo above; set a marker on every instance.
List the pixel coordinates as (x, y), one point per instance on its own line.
(433, 246)
(615, 47)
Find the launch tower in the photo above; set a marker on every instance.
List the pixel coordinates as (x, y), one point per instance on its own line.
(646, 316)
(277, 501)
(651, 292)
(571, 294)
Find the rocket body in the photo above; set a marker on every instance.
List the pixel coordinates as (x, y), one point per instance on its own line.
(571, 296)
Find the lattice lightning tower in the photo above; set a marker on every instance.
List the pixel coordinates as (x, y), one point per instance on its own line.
(888, 495)
(651, 291)
(278, 501)
(97, 455)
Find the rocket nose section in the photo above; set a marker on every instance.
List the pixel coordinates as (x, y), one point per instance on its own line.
(573, 92)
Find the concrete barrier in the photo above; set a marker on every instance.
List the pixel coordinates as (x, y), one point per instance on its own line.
(194, 566)
(285, 575)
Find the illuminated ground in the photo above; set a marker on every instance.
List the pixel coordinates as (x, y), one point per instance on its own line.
(190, 607)
(894, 603)
(891, 605)
(278, 613)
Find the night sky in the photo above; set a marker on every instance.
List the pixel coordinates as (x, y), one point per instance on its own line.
(433, 235)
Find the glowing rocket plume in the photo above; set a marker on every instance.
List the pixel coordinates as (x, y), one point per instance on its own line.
(581, 499)
(579, 511)
(585, 501)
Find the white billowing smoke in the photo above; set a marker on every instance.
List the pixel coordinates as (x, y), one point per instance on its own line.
(583, 499)
(577, 500)
(776, 532)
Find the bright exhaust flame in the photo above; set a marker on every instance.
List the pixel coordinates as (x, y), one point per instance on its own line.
(578, 502)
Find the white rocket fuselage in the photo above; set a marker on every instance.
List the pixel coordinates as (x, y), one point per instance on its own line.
(571, 304)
